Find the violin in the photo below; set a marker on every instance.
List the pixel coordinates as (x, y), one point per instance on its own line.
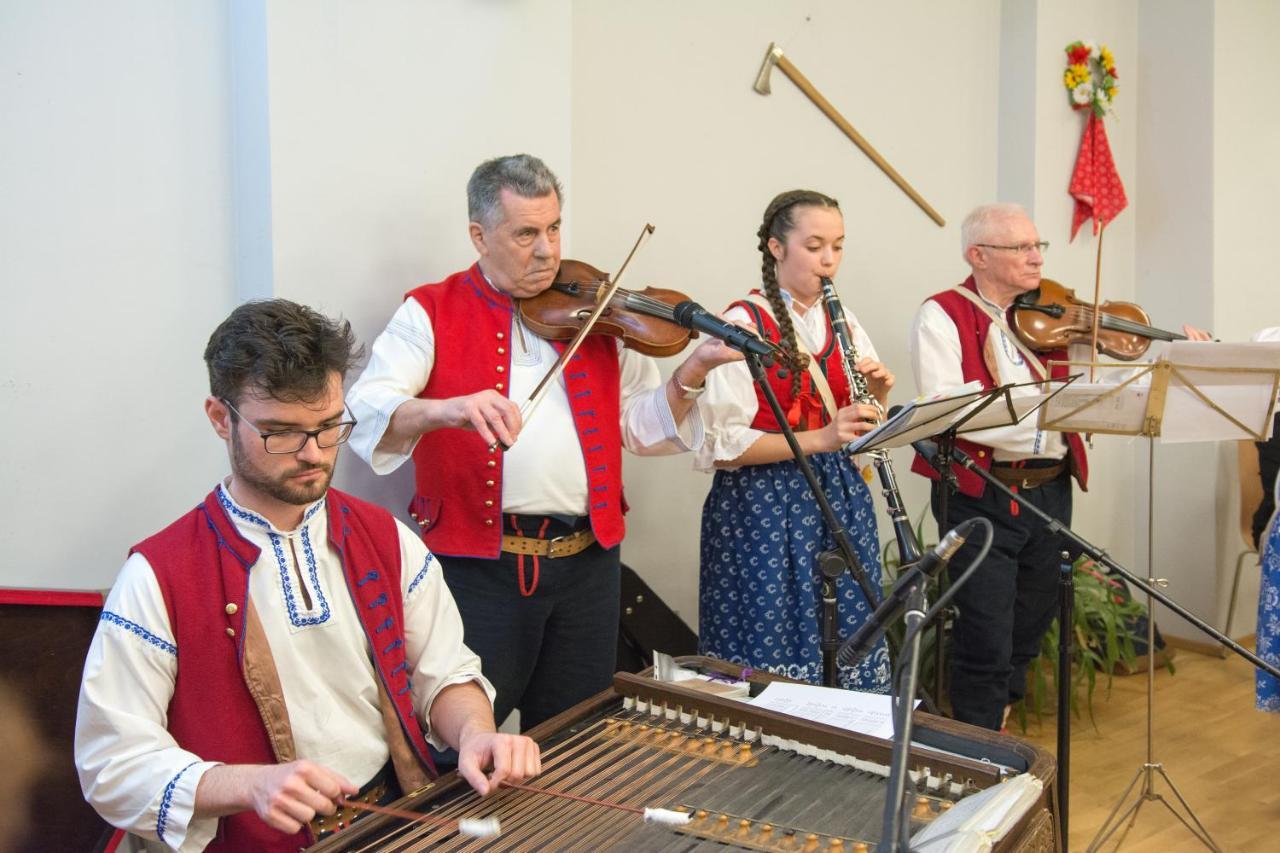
(1051, 317)
(642, 319)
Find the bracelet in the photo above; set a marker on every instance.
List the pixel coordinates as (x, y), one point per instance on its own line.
(687, 393)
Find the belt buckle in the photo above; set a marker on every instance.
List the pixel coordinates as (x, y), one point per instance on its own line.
(1024, 483)
(553, 544)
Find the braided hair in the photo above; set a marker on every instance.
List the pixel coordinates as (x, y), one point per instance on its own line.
(779, 219)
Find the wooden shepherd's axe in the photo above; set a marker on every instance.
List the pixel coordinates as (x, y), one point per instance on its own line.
(773, 57)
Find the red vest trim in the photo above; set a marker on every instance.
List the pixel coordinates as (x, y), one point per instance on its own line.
(202, 563)
(972, 326)
(830, 361)
(454, 470)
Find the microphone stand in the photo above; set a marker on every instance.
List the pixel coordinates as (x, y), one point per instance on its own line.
(844, 548)
(947, 484)
(1100, 556)
(903, 718)
(894, 829)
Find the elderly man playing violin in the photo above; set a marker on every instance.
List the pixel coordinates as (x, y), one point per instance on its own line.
(525, 517)
(962, 335)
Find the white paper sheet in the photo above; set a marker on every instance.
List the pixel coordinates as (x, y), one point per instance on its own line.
(868, 713)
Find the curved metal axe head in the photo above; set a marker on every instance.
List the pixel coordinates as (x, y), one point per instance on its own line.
(771, 58)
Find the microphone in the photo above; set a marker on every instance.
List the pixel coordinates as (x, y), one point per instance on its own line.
(929, 450)
(859, 645)
(691, 315)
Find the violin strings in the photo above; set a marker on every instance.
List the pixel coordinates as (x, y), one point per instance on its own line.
(1114, 323)
(639, 301)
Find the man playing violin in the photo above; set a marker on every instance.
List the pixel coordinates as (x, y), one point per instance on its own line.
(525, 517)
(962, 335)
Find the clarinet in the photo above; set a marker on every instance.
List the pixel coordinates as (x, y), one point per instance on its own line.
(908, 548)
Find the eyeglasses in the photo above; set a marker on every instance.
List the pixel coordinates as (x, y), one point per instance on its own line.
(287, 441)
(1021, 248)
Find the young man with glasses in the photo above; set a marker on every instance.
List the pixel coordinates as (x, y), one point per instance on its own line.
(283, 645)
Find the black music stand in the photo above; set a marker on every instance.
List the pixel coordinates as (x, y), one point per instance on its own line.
(949, 415)
(1178, 401)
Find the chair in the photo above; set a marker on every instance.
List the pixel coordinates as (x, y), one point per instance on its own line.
(1250, 499)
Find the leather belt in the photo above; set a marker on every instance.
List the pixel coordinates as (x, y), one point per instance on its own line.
(561, 546)
(1027, 478)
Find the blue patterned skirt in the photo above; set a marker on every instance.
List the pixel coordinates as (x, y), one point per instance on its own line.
(759, 603)
(1268, 635)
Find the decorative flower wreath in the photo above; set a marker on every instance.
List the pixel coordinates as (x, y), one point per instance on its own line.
(1090, 77)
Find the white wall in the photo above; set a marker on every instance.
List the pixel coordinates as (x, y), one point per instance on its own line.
(115, 258)
(1246, 255)
(379, 113)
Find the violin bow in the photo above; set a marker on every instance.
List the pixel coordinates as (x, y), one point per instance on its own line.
(1097, 299)
(603, 297)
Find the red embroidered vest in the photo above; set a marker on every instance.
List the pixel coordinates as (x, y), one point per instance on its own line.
(806, 408)
(202, 565)
(973, 325)
(458, 500)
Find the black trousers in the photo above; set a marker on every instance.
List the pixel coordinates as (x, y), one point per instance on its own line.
(1008, 603)
(549, 650)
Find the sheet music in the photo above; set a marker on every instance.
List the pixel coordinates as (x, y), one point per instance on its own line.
(1122, 412)
(868, 713)
(1247, 396)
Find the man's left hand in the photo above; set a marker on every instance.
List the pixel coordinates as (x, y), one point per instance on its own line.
(505, 757)
(1194, 334)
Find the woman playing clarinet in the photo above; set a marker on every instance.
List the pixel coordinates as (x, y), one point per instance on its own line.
(761, 526)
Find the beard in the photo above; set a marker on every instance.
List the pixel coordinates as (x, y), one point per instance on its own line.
(277, 486)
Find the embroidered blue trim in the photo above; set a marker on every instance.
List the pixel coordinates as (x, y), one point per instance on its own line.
(162, 819)
(587, 413)
(598, 488)
(420, 576)
(380, 601)
(601, 468)
(222, 543)
(385, 626)
(403, 666)
(372, 575)
(286, 582)
(251, 517)
(595, 449)
(395, 644)
(403, 690)
(583, 394)
(138, 631)
(486, 296)
(577, 375)
(591, 431)
(315, 507)
(254, 518)
(600, 505)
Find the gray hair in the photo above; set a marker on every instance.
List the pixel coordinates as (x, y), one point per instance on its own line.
(523, 174)
(977, 225)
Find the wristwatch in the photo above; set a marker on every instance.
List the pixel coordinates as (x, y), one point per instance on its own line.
(687, 393)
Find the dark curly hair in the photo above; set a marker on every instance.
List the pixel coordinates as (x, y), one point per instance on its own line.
(779, 219)
(279, 348)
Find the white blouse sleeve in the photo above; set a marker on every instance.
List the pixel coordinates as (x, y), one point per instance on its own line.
(727, 407)
(399, 366)
(132, 771)
(648, 427)
(435, 652)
